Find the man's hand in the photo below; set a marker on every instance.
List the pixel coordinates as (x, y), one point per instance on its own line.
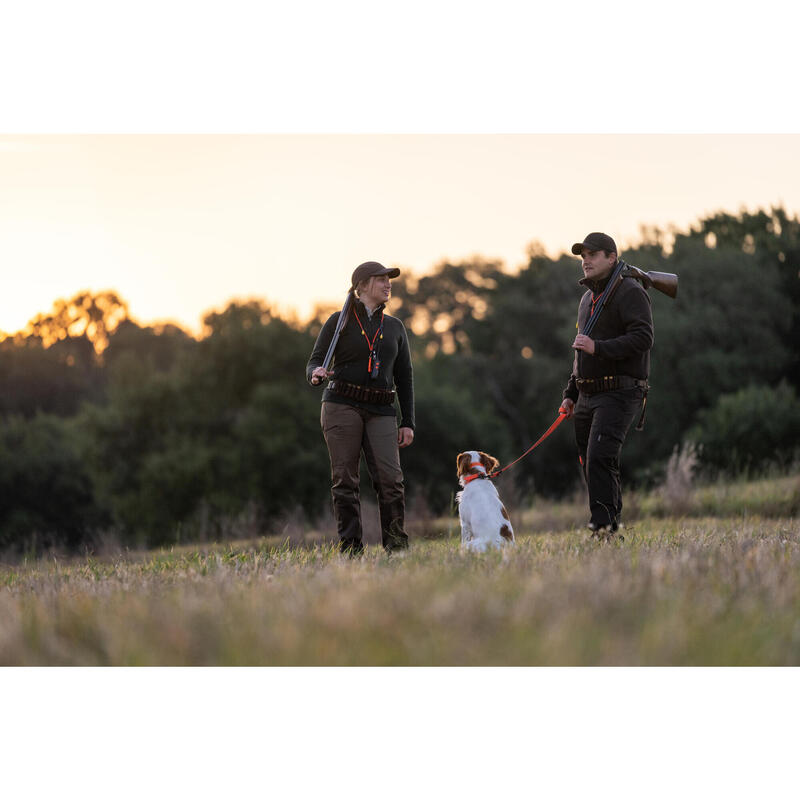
(583, 343)
(319, 375)
(405, 436)
(568, 407)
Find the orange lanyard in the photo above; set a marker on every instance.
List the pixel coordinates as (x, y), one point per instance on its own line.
(371, 344)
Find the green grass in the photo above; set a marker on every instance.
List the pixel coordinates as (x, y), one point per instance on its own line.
(768, 497)
(690, 591)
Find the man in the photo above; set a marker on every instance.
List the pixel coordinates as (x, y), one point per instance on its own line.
(609, 377)
(372, 358)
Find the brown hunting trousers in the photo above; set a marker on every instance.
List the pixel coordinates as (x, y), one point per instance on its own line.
(348, 432)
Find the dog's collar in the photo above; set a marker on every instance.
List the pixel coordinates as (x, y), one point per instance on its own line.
(468, 478)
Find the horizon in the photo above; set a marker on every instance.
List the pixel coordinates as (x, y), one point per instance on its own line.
(291, 315)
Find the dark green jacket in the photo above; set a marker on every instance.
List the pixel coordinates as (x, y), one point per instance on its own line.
(351, 360)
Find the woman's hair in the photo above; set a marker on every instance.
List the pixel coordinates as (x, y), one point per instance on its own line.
(361, 285)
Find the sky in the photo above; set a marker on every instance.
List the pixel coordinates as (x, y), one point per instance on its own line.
(180, 224)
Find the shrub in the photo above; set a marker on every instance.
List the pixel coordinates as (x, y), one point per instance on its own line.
(748, 429)
(46, 497)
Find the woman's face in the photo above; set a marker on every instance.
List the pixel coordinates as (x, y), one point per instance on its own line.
(378, 290)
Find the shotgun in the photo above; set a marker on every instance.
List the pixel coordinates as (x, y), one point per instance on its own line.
(340, 323)
(665, 282)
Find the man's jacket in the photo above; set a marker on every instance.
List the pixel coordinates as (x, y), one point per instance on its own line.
(351, 360)
(623, 334)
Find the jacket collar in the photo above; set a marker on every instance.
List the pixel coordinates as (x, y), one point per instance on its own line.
(595, 286)
(362, 309)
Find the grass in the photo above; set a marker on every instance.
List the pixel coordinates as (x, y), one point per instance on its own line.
(688, 591)
(768, 497)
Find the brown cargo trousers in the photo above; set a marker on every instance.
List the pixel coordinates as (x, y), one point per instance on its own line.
(348, 431)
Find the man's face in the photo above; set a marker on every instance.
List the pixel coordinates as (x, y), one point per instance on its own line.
(596, 264)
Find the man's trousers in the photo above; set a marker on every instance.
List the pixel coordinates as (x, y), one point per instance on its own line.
(602, 421)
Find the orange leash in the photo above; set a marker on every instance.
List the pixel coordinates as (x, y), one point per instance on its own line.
(562, 415)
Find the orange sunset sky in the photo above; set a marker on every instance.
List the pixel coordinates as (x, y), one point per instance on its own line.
(180, 224)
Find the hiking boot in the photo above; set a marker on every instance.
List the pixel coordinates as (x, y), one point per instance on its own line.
(396, 552)
(351, 547)
(598, 531)
(604, 533)
(394, 537)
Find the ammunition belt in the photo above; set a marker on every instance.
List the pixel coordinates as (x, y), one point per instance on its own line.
(609, 383)
(379, 397)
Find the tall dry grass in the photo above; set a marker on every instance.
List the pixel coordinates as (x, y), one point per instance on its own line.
(677, 592)
(676, 490)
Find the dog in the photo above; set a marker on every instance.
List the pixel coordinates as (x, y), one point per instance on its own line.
(484, 519)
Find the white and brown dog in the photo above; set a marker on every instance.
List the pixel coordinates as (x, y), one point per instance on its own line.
(484, 519)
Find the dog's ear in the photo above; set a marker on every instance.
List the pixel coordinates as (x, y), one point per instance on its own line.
(490, 463)
(463, 463)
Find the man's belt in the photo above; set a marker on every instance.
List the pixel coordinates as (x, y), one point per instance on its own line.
(609, 383)
(378, 397)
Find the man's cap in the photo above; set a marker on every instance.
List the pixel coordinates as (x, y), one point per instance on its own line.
(369, 269)
(595, 241)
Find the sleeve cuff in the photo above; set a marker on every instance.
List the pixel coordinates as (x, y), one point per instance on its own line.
(598, 349)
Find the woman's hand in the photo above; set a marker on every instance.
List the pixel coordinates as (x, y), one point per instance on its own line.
(319, 375)
(405, 436)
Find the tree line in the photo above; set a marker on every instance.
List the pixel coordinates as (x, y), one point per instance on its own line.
(152, 436)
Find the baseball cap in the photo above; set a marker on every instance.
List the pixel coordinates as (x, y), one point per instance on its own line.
(595, 241)
(369, 269)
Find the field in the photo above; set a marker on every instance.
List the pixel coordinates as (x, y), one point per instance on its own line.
(690, 590)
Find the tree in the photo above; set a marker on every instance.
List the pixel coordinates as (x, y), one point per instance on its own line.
(443, 309)
(773, 238)
(94, 316)
(54, 380)
(46, 494)
(232, 425)
(726, 329)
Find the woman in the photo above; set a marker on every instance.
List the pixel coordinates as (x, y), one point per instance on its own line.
(372, 358)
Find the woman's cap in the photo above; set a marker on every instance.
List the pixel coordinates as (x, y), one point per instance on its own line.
(369, 269)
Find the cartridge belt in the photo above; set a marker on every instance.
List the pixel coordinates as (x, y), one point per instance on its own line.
(379, 397)
(609, 383)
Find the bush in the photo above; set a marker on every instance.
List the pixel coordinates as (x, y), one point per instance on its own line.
(46, 497)
(749, 429)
